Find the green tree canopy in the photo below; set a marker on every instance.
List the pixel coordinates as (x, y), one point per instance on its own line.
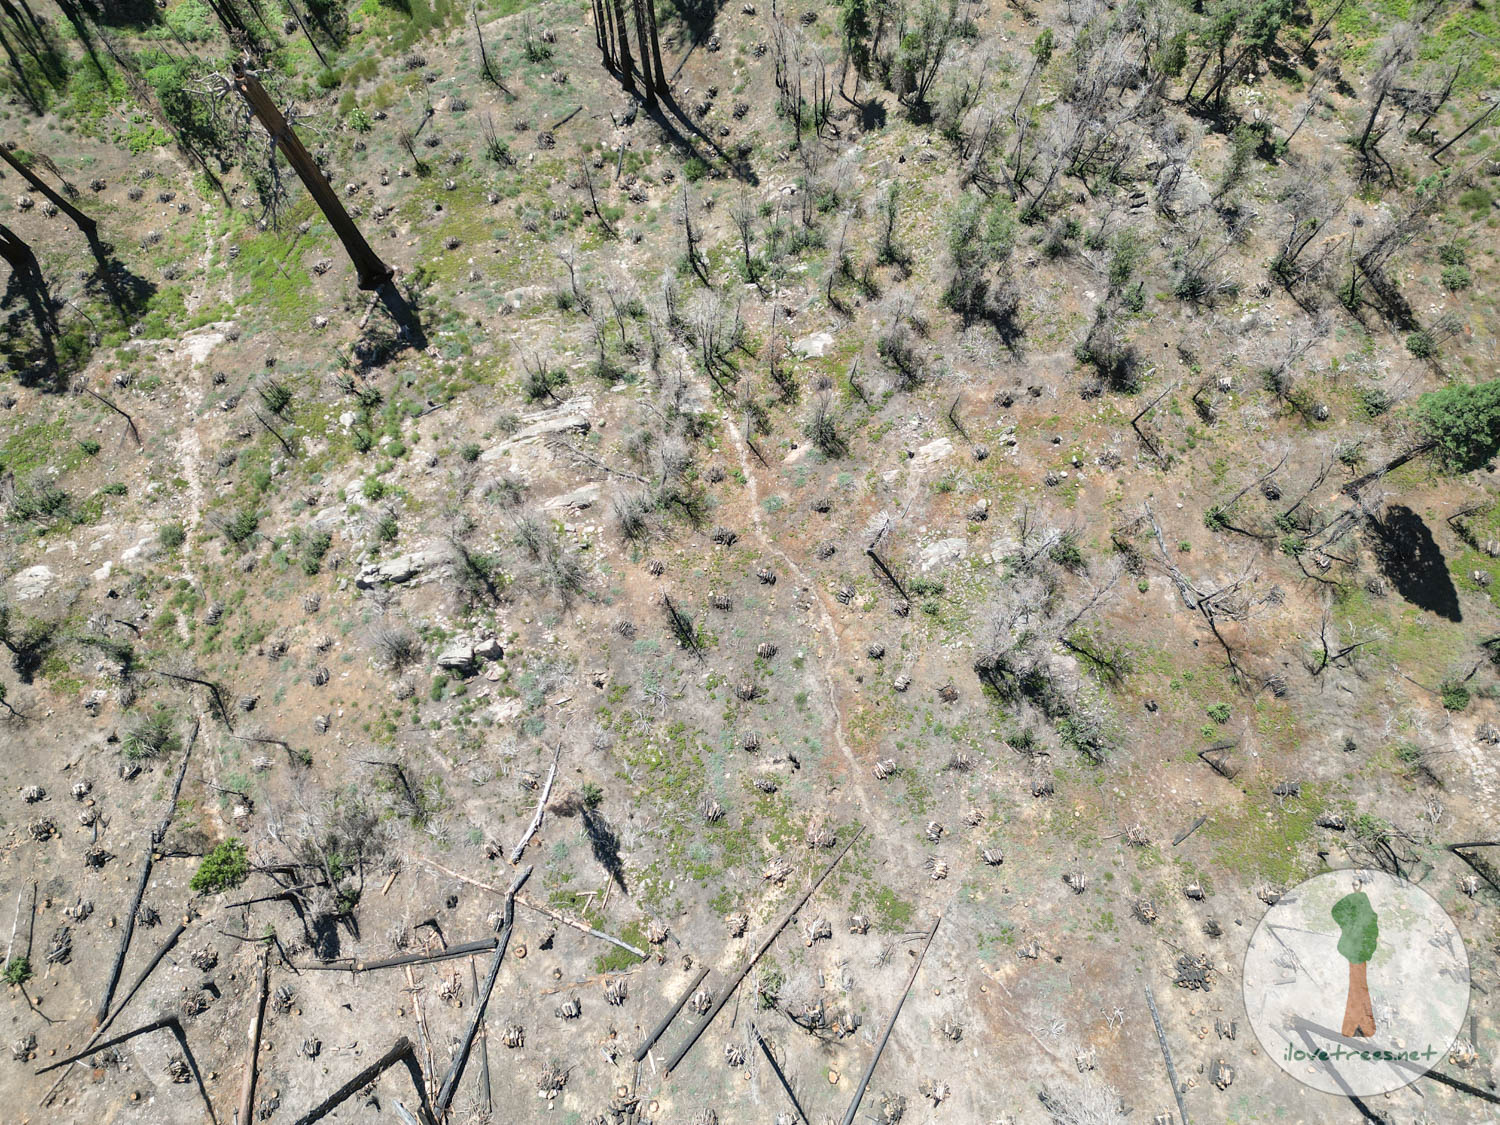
(1462, 424)
(1360, 928)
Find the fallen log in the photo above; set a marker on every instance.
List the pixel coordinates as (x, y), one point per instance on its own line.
(541, 805)
(864, 1082)
(723, 997)
(486, 1100)
(456, 1071)
(166, 947)
(169, 1023)
(1166, 1054)
(351, 965)
(147, 860)
(461, 1059)
(548, 912)
(780, 1075)
(656, 1032)
(400, 1049)
(257, 1021)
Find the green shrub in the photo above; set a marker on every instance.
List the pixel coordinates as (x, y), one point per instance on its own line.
(222, 869)
(241, 525)
(17, 971)
(1455, 695)
(150, 736)
(89, 446)
(1462, 423)
(171, 536)
(1219, 713)
(470, 453)
(695, 168)
(1421, 344)
(1456, 278)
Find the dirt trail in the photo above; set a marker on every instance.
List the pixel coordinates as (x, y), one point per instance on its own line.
(825, 622)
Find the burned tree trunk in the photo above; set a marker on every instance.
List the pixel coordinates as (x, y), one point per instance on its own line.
(622, 45)
(658, 73)
(87, 225)
(18, 254)
(373, 273)
(645, 45)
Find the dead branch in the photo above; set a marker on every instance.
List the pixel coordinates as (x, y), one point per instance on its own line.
(541, 805)
(1166, 1054)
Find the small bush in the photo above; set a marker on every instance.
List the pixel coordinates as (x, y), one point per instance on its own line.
(1421, 344)
(470, 453)
(1219, 713)
(222, 869)
(240, 526)
(1455, 695)
(1456, 278)
(17, 971)
(89, 446)
(150, 737)
(171, 536)
(695, 168)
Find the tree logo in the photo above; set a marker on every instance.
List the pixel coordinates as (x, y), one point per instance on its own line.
(1356, 982)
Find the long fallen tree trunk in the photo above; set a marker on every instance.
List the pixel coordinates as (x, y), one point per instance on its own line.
(257, 1021)
(400, 1049)
(456, 1071)
(864, 1082)
(166, 947)
(354, 966)
(666, 1020)
(168, 1023)
(728, 991)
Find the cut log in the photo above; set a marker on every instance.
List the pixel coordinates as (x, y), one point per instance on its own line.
(351, 965)
(456, 1071)
(864, 1082)
(723, 997)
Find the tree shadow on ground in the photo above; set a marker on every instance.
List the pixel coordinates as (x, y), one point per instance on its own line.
(1410, 557)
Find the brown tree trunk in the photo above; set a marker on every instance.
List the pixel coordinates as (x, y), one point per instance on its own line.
(373, 273)
(1359, 1013)
(82, 221)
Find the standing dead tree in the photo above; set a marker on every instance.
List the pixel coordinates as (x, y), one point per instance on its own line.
(373, 273)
